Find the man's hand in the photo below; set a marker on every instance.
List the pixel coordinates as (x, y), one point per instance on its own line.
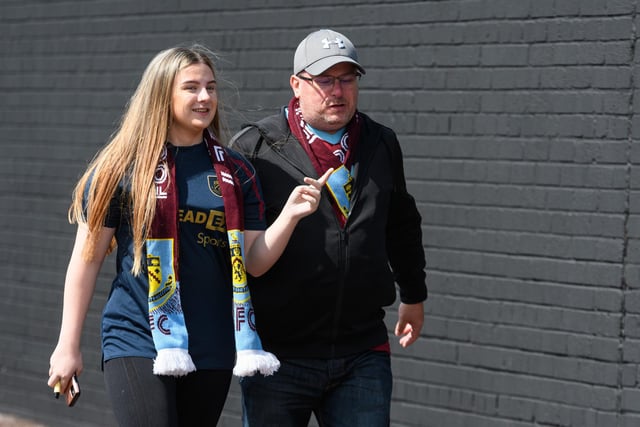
(410, 321)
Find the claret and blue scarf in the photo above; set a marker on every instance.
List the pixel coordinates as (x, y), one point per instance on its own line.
(170, 335)
(324, 155)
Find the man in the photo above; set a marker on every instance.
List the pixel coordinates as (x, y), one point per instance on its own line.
(320, 309)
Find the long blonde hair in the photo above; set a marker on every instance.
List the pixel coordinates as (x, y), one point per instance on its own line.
(134, 150)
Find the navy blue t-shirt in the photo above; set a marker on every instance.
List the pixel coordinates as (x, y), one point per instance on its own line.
(204, 263)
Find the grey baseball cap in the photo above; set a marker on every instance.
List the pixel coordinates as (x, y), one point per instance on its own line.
(322, 50)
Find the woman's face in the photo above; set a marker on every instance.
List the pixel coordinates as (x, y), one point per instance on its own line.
(194, 102)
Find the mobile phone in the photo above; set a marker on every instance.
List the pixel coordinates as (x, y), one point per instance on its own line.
(73, 392)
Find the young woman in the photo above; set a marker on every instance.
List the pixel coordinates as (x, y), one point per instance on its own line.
(187, 218)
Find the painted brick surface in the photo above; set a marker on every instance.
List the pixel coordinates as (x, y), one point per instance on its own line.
(519, 125)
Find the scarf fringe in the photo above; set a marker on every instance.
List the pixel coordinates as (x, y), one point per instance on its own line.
(173, 361)
(248, 362)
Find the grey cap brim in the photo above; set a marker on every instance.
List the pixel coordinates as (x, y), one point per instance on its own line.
(324, 64)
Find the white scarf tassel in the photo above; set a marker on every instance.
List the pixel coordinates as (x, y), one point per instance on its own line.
(248, 362)
(173, 361)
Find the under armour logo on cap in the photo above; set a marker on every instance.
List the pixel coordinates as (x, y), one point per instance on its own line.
(323, 49)
(326, 43)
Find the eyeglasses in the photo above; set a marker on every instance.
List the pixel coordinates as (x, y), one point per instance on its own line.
(327, 82)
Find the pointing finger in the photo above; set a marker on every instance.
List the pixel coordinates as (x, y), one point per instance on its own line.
(320, 182)
(324, 178)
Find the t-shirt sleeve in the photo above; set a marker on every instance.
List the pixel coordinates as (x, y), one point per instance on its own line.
(115, 210)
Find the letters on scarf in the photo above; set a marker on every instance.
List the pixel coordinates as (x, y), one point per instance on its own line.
(324, 155)
(168, 329)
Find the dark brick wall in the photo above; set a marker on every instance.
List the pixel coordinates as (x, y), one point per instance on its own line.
(518, 121)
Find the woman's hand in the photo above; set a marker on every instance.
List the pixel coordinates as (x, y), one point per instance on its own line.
(304, 199)
(263, 248)
(65, 362)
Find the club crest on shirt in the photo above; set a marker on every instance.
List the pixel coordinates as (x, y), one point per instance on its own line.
(214, 185)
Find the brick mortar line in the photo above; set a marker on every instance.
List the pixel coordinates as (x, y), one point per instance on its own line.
(624, 286)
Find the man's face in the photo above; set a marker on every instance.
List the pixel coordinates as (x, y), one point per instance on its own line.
(328, 107)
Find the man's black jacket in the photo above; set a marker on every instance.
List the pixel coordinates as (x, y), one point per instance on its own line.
(325, 295)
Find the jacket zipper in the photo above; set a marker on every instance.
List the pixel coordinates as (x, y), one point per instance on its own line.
(343, 261)
(343, 250)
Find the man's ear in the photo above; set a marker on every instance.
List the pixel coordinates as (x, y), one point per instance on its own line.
(294, 82)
